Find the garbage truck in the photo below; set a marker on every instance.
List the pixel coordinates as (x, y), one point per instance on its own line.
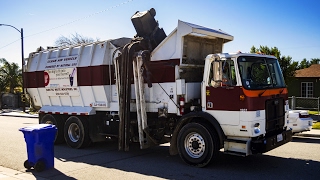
(156, 88)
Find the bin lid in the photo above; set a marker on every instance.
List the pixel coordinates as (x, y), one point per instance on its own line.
(38, 127)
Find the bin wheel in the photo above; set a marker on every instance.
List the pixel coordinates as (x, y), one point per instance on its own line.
(58, 122)
(39, 166)
(27, 165)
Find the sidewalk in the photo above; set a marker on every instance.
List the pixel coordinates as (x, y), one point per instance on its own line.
(17, 113)
(311, 133)
(10, 174)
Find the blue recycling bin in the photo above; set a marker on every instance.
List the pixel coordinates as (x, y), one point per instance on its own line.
(40, 144)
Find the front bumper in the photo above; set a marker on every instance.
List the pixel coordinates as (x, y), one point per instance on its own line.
(269, 143)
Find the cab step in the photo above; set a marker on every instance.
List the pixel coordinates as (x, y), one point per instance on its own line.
(238, 147)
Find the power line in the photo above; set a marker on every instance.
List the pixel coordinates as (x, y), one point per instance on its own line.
(300, 47)
(86, 17)
(10, 43)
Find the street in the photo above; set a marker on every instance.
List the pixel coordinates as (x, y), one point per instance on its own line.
(299, 159)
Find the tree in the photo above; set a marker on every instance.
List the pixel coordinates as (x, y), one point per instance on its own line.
(304, 64)
(2, 84)
(73, 40)
(287, 66)
(315, 61)
(10, 76)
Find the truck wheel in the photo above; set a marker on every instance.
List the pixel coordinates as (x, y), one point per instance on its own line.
(57, 121)
(196, 145)
(76, 132)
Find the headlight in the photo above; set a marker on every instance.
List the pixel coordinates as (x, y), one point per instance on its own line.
(256, 128)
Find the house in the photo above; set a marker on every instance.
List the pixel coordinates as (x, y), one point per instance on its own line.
(306, 82)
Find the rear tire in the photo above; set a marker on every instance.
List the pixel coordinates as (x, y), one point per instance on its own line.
(76, 132)
(57, 121)
(196, 145)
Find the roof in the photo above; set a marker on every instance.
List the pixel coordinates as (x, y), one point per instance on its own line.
(197, 28)
(172, 46)
(312, 71)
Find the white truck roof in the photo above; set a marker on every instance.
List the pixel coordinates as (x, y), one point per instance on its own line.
(172, 46)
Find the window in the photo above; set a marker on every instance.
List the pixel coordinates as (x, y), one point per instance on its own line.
(222, 73)
(260, 72)
(306, 89)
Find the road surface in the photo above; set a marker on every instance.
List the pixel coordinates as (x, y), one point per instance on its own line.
(299, 159)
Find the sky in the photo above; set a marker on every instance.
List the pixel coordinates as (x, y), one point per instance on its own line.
(293, 26)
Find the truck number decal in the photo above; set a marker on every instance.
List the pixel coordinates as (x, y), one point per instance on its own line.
(209, 105)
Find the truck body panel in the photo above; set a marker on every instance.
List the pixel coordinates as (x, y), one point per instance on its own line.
(91, 66)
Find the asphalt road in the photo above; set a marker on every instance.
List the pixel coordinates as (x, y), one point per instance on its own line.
(299, 159)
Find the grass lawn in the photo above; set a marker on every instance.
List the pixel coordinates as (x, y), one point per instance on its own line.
(313, 112)
(316, 125)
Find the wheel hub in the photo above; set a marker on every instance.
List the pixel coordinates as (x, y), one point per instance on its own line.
(194, 145)
(49, 122)
(74, 132)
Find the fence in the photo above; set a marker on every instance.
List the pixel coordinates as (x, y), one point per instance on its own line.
(304, 103)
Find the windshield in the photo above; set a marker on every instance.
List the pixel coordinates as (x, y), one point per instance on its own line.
(260, 72)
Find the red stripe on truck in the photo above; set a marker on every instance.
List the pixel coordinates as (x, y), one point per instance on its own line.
(95, 75)
(162, 71)
(33, 79)
(231, 100)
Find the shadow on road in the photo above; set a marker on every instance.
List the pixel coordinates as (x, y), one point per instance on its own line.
(61, 176)
(156, 162)
(103, 160)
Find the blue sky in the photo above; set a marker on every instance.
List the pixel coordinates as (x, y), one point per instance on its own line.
(291, 25)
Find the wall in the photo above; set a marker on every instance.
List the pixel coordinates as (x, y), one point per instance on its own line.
(294, 87)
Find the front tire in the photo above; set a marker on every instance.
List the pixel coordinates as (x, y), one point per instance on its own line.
(57, 121)
(196, 145)
(76, 132)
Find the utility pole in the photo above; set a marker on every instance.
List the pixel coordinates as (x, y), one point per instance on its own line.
(22, 61)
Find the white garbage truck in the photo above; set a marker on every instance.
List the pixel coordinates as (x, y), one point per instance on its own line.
(156, 88)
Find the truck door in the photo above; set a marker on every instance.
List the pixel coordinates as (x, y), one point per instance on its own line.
(222, 92)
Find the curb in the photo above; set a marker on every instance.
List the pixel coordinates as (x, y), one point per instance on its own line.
(308, 135)
(18, 116)
(311, 133)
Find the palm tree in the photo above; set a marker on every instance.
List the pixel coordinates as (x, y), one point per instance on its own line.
(10, 75)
